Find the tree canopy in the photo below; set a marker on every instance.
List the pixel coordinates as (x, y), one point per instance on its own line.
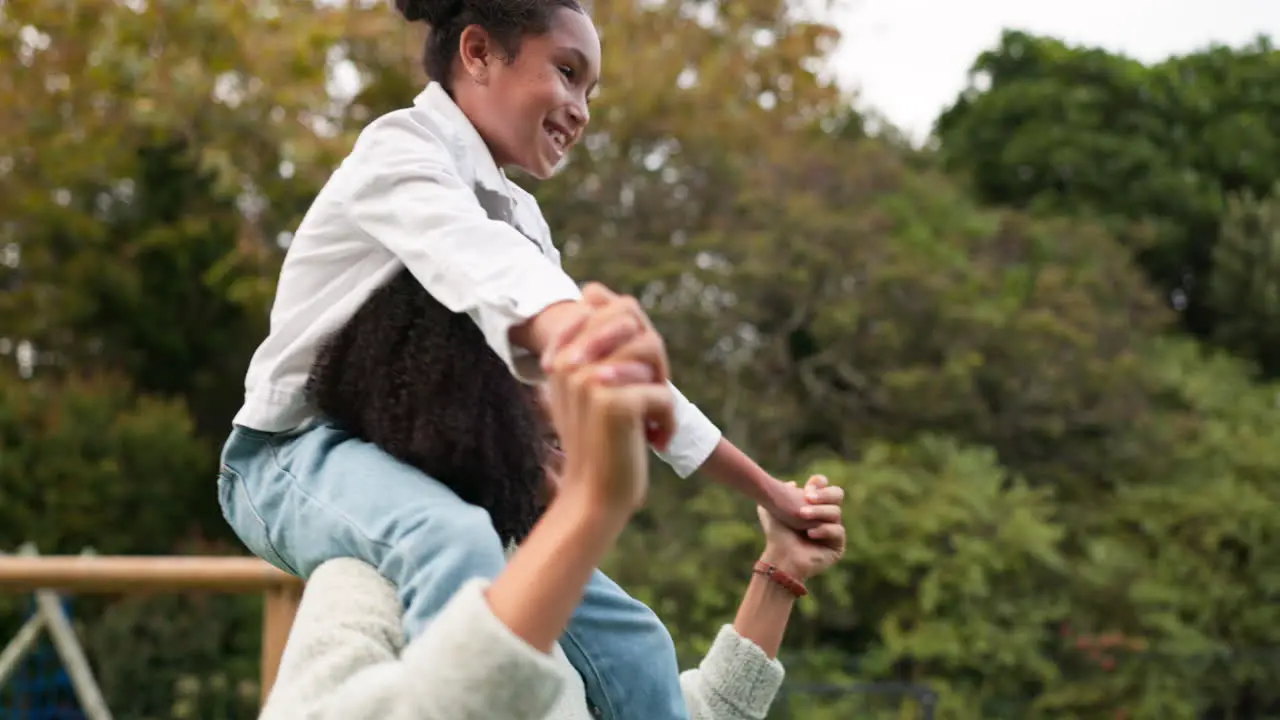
(1061, 503)
(1155, 150)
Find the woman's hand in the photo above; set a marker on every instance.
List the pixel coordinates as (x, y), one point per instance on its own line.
(804, 554)
(617, 334)
(599, 409)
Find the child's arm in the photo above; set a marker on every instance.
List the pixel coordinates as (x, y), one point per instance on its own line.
(413, 202)
(731, 467)
(410, 198)
(697, 443)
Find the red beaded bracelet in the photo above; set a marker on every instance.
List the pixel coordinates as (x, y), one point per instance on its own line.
(781, 577)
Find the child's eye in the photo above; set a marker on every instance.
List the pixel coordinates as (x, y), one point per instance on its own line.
(566, 71)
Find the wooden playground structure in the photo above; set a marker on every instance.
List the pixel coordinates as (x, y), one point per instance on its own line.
(46, 576)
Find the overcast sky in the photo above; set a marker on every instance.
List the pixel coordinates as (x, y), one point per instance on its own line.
(909, 58)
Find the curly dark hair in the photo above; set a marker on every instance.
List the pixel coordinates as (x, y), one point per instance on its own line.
(418, 380)
(506, 20)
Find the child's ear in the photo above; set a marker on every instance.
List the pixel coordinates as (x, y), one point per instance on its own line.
(476, 49)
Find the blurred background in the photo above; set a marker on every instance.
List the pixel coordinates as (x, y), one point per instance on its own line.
(1010, 272)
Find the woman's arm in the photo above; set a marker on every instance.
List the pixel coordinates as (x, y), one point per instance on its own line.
(543, 584)
(740, 676)
(343, 659)
(486, 655)
(737, 680)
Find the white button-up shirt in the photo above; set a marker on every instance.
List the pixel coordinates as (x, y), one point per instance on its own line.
(420, 190)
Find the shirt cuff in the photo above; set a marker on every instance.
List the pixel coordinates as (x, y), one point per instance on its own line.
(740, 673)
(695, 439)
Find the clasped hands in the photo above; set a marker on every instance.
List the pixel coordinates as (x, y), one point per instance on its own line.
(610, 401)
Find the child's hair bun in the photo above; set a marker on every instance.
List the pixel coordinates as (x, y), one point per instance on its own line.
(432, 12)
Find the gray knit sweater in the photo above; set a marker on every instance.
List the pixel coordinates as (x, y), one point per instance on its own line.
(345, 661)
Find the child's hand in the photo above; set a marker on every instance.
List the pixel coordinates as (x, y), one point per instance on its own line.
(789, 506)
(806, 554)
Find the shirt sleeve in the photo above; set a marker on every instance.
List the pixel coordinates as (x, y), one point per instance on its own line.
(736, 680)
(341, 659)
(695, 438)
(407, 195)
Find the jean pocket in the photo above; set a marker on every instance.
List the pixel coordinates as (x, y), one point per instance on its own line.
(245, 520)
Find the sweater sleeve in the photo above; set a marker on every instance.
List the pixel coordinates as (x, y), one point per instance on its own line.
(341, 660)
(736, 680)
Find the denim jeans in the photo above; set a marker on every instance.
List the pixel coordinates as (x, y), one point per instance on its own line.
(300, 498)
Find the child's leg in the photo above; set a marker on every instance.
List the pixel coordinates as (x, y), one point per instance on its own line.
(625, 656)
(300, 499)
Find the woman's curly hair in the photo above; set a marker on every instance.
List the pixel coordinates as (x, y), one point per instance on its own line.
(418, 380)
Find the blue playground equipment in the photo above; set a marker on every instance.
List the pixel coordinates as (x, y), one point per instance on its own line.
(40, 688)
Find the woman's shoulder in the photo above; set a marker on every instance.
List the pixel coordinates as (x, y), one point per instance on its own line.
(350, 588)
(351, 571)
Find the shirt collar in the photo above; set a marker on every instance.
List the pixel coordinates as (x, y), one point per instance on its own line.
(466, 137)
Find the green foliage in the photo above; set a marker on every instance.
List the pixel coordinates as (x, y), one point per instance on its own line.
(86, 455)
(1243, 289)
(1057, 507)
(1154, 150)
(173, 638)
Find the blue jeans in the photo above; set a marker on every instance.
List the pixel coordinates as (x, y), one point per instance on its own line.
(298, 499)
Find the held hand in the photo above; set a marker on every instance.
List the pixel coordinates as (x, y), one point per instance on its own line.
(788, 506)
(616, 329)
(804, 554)
(598, 410)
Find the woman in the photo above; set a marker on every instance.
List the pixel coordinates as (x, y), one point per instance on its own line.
(418, 392)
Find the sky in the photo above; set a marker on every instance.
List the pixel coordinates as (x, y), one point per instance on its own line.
(910, 58)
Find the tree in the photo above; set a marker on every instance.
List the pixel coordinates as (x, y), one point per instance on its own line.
(158, 152)
(1153, 150)
(154, 154)
(88, 454)
(1243, 288)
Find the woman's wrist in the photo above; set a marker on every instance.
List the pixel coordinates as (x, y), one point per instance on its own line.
(543, 582)
(576, 502)
(762, 617)
(784, 563)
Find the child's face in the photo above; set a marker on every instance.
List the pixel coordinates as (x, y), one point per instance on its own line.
(533, 110)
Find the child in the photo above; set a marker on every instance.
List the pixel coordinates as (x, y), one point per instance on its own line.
(422, 190)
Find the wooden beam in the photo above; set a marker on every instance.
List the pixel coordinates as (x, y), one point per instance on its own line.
(158, 574)
(140, 574)
(279, 607)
